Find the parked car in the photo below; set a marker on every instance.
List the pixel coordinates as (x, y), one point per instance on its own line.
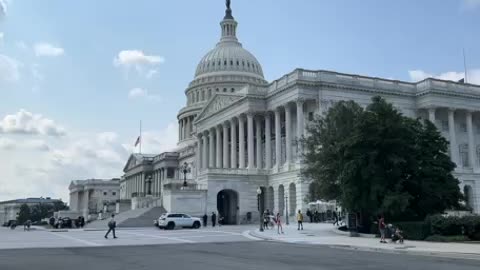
(170, 221)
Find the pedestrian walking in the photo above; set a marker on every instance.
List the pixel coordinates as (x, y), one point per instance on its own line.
(26, 226)
(265, 219)
(214, 219)
(279, 223)
(111, 227)
(205, 218)
(300, 220)
(335, 219)
(381, 228)
(82, 222)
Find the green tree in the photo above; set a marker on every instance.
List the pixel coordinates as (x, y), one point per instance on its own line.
(23, 214)
(379, 161)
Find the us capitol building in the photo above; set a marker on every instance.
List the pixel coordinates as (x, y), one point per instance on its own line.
(238, 132)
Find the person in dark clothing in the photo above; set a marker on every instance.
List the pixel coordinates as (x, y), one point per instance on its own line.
(205, 218)
(335, 219)
(111, 227)
(82, 221)
(310, 215)
(214, 219)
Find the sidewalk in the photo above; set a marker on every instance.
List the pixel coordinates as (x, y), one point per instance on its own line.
(326, 234)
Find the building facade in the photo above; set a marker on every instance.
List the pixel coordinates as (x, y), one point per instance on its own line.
(238, 132)
(10, 209)
(94, 196)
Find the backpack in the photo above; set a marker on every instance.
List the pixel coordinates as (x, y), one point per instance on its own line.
(111, 224)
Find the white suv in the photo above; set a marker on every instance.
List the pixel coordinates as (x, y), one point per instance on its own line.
(169, 221)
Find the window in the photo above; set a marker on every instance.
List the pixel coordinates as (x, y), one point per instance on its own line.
(310, 116)
(478, 154)
(224, 90)
(217, 90)
(238, 63)
(231, 62)
(170, 172)
(104, 193)
(444, 125)
(463, 149)
(225, 62)
(463, 127)
(233, 90)
(114, 193)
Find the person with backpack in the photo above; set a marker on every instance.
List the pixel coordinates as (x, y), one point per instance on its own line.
(111, 227)
(205, 218)
(214, 219)
(300, 219)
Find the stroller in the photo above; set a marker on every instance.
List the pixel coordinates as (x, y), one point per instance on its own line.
(396, 234)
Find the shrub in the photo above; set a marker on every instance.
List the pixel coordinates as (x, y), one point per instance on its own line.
(453, 225)
(450, 238)
(414, 230)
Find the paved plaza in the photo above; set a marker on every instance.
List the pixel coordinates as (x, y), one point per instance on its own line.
(19, 239)
(221, 256)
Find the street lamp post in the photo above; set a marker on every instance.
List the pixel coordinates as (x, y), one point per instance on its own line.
(185, 171)
(286, 210)
(149, 183)
(260, 208)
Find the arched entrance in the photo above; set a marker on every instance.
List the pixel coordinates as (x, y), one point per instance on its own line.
(293, 199)
(227, 205)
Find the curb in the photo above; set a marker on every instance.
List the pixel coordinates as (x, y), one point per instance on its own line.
(454, 255)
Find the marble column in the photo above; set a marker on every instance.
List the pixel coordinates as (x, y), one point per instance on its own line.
(225, 145)
(179, 130)
(268, 142)
(258, 136)
(205, 151)
(211, 148)
(300, 126)
(431, 115)
(250, 142)
(241, 143)
(452, 135)
(233, 146)
(218, 147)
(278, 139)
(471, 141)
(288, 134)
(199, 152)
(188, 127)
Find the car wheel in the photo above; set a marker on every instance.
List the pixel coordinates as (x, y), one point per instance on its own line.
(196, 225)
(170, 226)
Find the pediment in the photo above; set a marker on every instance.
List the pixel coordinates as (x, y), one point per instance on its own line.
(132, 162)
(218, 103)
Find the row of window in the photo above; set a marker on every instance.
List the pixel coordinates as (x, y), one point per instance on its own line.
(106, 193)
(232, 63)
(203, 95)
(464, 159)
(462, 126)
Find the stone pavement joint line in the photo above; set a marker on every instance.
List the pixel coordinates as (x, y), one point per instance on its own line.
(88, 243)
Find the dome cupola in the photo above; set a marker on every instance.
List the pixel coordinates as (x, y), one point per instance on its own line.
(229, 57)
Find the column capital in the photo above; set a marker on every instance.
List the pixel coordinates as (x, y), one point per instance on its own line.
(431, 109)
(300, 101)
(451, 109)
(226, 124)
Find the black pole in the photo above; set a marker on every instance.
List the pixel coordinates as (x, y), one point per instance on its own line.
(260, 212)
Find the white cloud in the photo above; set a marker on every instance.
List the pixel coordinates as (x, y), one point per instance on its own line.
(3, 9)
(8, 144)
(9, 69)
(473, 75)
(470, 4)
(21, 45)
(137, 93)
(151, 73)
(137, 60)
(47, 49)
(74, 156)
(24, 122)
(2, 36)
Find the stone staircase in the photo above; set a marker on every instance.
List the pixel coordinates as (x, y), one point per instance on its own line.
(140, 217)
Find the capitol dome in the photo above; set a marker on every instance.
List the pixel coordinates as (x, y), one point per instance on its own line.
(229, 57)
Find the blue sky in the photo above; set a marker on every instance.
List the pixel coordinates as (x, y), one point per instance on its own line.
(64, 75)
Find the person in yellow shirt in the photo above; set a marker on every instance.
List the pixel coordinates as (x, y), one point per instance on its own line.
(300, 219)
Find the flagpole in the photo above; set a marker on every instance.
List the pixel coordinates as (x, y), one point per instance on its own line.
(465, 66)
(141, 136)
